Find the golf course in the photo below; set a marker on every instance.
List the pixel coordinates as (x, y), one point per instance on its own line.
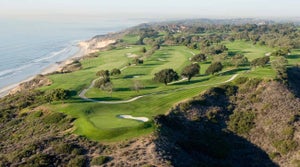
(97, 114)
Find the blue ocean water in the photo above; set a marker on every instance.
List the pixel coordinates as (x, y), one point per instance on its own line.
(27, 47)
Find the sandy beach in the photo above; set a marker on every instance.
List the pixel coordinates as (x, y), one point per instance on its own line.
(85, 48)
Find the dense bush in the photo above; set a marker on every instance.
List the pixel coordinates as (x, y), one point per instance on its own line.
(57, 94)
(40, 160)
(241, 122)
(100, 160)
(78, 161)
(285, 146)
(54, 118)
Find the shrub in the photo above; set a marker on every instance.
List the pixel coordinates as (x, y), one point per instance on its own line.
(100, 160)
(241, 122)
(57, 94)
(40, 160)
(285, 146)
(54, 118)
(63, 148)
(241, 80)
(78, 161)
(253, 83)
(184, 106)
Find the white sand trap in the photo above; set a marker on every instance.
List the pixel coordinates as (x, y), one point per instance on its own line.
(142, 119)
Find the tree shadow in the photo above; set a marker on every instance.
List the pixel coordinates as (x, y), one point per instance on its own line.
(122, 89)
(191, 81)
(234, 71)
(107, 98)
(149, 87)
(197, 135)
(154, 64)
(293, 56)
(294, 80)
(132, 76)
(235, 52)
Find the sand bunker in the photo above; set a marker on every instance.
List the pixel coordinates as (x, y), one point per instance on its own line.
(142, 119)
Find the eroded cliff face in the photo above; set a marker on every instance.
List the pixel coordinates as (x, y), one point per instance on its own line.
(253, 125)
(95, 44)
(34, 83)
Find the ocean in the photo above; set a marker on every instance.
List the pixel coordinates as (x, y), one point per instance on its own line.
(27, 47)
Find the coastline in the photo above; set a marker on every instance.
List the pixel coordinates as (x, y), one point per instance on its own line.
(47, 70)
(85, 47)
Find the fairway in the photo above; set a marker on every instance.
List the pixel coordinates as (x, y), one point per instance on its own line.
(99, 121)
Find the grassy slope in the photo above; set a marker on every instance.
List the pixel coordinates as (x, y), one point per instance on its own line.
(100, 122)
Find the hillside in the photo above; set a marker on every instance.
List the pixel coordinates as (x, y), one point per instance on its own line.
(197, 94)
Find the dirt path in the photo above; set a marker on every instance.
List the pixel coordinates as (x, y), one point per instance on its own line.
(83, 92)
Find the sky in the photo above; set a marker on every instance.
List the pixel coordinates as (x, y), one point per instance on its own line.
(151, 8)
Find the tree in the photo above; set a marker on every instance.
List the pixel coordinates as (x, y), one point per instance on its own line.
(281, 52)
(214, 68)
(166, 76)
(199, 58)
(103, 73)
(239, 60)
(104, 84)
(101, 82)
(137, 85)
(190, 71)
(115, 71)
(262, 61)
(109, 87)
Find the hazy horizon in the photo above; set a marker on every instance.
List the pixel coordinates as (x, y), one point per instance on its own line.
(150, 9)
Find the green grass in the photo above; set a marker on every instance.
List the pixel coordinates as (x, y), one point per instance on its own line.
(130, 39)
(100, 122)
(248, 49)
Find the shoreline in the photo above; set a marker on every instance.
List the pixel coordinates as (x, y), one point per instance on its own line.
(47, 70)
(85, 47)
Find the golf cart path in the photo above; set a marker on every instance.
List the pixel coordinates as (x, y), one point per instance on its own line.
(83, 92)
